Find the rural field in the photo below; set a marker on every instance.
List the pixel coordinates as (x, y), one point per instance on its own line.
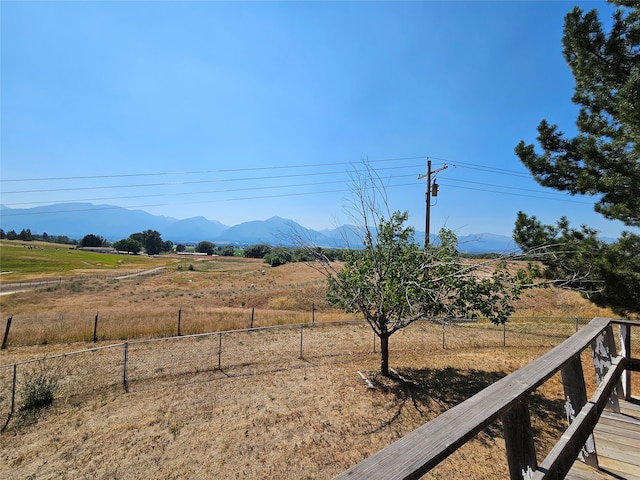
(268, 412)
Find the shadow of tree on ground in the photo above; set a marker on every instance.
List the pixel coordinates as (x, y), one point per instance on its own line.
(448, 387)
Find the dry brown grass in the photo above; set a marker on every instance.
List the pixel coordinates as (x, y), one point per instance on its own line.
(267, 413)
(223, 293)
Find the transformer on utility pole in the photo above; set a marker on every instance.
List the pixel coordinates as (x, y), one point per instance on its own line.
(432, 189)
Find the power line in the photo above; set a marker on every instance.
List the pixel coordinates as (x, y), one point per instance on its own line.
(517, 194)
(509, 187)
(193, 182)
(484, 168)
(259, 197)
(204, 192)
(498, 171)
(202, 172)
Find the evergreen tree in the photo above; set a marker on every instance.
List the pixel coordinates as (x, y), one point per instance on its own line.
(602, 159)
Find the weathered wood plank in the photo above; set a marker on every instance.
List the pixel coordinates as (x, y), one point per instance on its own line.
(519, 441)
(603, 349)
(580, 471)
(622, 421)
(614, 430)
(631, 407)
(575, 394)
(622, 469)
(564, 453)
(623, 452)
(618, 437)
(625, 351)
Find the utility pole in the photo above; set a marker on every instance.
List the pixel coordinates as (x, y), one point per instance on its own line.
(428, 197)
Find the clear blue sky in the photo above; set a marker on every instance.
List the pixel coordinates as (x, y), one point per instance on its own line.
(240, 111)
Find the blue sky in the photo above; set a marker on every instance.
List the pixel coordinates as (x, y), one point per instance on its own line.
(240, 111)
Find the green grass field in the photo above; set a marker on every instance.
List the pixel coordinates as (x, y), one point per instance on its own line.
(28, 258)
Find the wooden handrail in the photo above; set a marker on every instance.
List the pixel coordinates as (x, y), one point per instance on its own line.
(418, 452)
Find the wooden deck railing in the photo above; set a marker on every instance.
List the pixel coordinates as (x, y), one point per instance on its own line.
(418, 452)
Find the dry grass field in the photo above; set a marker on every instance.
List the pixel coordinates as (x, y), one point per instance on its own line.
(266, 413)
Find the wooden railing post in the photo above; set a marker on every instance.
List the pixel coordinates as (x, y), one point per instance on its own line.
(604, 351)
(575, 394)
(518, 439)
(625, 351)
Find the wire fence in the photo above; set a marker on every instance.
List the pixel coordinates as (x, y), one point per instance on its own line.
(156, 321)
(90, 277)
(154, 363)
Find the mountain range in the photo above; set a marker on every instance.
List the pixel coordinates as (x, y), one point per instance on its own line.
(76, 220)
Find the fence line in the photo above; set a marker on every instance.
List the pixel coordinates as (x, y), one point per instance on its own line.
(47, 282)
(133, 364)
(85, 325)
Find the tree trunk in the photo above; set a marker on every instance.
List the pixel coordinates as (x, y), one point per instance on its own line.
(384, 354)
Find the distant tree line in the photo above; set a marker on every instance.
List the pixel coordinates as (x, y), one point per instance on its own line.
(26, 236)
(150, 241)
(276, 256)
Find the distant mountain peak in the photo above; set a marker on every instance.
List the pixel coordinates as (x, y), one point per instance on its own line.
(76, 220)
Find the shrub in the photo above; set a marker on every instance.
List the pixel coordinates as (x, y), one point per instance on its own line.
(278, 256)
(39, 387)
(257, 251)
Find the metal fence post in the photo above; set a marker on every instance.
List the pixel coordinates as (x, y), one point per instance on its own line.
(13, 397)
(504, 334)
(95, 329)
(219, 348)
(301, 329)
(6, 333)
(125, 382)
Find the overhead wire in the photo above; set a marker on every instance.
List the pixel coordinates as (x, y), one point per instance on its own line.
(200, 172)
(192, 182)
(464, 165)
